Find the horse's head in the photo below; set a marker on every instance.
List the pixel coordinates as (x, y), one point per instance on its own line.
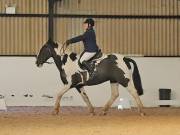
(46, 52)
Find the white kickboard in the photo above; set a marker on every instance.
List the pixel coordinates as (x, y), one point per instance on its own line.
(124, 103)
(3, 106)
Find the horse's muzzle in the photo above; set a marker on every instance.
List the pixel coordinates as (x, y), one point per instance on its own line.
(38, 64)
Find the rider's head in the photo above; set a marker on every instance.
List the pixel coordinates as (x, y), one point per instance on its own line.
(88, 23)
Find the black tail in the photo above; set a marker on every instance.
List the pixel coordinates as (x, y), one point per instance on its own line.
(136, 75)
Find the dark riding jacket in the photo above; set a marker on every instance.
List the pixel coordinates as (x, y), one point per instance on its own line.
(89, 40)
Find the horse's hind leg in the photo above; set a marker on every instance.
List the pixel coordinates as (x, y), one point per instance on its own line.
(86, 100)
(134, 94)
(114, 96)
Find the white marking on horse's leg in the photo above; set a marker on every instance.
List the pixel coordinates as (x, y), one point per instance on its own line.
(114, 96)
(58, 99)
(86, 100)
(132, 90)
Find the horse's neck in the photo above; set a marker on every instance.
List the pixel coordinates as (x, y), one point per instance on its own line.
(71, 67)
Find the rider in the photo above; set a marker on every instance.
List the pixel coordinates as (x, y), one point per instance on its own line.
(89, 41)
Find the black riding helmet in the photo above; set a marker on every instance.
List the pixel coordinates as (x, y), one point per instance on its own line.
(89, 21)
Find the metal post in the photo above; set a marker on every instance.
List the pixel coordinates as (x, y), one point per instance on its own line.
(50, 20)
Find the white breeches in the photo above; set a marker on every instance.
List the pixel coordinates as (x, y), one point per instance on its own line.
(87, 56)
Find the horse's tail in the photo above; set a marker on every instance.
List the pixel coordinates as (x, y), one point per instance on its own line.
(136, 76)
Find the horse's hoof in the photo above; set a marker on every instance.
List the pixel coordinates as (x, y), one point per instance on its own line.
(55, 112)
(92, 114)
(103, 113)
(142, 114)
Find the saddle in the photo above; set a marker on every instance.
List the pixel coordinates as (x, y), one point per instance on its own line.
(92, 61)
(96, 56)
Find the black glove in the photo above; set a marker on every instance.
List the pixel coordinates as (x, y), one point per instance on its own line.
(68, 42)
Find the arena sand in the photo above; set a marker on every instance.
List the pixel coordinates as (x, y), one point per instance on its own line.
(76, 121)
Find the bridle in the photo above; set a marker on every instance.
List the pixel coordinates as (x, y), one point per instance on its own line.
(51, 54)
(62, 52)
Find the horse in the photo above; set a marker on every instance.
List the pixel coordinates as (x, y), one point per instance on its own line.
(117, 69)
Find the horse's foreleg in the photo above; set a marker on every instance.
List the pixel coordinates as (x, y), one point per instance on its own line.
(87, 101)
(114, 96)
(134, 94)
(58, 99)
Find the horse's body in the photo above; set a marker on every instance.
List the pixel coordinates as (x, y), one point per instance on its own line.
(113, 68)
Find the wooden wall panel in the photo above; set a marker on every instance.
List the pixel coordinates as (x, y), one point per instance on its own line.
(116, 7)
(24, 36)
(26, 6)
(126, 36)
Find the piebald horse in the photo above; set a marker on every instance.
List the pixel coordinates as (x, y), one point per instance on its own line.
(114, 68)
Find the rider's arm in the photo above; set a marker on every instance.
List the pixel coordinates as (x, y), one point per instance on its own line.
(76, 39)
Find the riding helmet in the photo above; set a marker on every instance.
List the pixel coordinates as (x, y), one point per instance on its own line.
(89, 21)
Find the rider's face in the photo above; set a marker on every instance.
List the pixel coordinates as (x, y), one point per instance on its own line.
(85, 26)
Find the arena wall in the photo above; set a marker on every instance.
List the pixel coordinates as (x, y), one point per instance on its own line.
(20, 77)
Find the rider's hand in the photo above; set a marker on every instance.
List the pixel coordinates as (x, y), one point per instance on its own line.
(68, 42)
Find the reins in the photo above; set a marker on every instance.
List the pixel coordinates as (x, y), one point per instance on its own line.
(62, 52)
(63, 48)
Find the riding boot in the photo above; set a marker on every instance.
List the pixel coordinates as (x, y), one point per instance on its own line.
(89, 68)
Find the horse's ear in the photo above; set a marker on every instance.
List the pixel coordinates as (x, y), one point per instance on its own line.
(49, 41)
(73, 56)
(56, 45)
(53, 44)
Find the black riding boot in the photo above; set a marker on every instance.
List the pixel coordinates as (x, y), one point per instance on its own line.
(89, 68)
